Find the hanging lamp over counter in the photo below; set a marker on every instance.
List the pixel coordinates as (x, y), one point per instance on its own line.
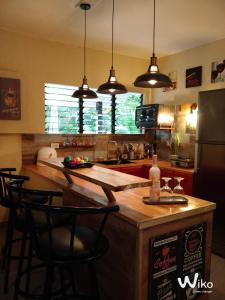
(112, 86)
(153, 78)
(84, 91)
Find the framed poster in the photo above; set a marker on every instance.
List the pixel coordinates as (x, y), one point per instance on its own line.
(218, 71)
(173, 77)
(164, 267)
(177, 255)
(194, 77)
(192, 259)
(10, 107)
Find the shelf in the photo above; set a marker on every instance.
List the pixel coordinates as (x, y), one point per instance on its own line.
(75, 147)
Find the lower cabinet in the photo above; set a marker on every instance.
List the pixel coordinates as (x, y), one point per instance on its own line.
(143, 171)
(136, 171)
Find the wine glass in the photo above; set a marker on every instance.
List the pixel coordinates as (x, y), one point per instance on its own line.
(178, 188)
(166, 187)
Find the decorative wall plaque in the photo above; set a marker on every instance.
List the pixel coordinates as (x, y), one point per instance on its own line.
(194, 77)
(10, 108)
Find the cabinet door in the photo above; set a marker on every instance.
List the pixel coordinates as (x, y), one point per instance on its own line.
(187, 183)
(146, 171)
(136, 171)
(116, 169)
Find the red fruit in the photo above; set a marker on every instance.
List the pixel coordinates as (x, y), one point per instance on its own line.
(72, 162)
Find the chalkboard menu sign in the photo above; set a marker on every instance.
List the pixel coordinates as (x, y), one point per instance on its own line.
(192, 259)
(164, 267)
(176, 255)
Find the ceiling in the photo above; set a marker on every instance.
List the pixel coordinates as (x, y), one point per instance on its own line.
(180, 24)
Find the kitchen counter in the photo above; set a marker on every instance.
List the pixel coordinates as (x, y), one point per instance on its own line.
(148, 162)
(132, 230)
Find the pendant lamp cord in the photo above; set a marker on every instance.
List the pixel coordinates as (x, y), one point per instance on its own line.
(85, 34)
(112, 32)
(154, 29)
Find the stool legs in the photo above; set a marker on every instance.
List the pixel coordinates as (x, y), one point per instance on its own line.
(7, 244)
(48, 284)
(94, 281)
(20, 266)
(8, 250)
(29, 266)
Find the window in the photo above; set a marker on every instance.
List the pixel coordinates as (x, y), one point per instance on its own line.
(61, 110)
(106, 114)
(125, 112)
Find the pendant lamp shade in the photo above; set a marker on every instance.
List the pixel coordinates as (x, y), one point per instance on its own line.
(153, 78)
(112, 86)
(84, 91)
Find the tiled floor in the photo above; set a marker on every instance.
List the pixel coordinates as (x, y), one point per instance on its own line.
(218, 277)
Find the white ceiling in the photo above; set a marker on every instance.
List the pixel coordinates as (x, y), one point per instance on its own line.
(180, 24)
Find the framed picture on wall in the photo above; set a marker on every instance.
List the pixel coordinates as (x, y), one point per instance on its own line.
(194, 77)
(10, 107)
(173, 77)
(218, 71)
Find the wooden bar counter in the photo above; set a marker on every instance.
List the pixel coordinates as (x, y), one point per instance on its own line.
(150, 245)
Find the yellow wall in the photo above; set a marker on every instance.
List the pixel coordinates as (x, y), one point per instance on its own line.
(201, 56)
(35, 62)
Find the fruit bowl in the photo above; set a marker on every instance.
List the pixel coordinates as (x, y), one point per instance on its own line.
(77, 166)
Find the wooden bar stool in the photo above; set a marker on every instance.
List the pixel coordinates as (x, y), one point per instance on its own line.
(63, 248)
(18, 180)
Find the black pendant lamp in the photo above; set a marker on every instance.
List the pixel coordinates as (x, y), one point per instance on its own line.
(153, 78)
(112, 86)
(84, 91)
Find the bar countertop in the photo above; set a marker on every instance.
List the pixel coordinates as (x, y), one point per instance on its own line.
(132, 208)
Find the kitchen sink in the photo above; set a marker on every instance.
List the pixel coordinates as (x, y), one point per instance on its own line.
(115, 162)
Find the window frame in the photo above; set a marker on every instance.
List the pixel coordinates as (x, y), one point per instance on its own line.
(81, 113)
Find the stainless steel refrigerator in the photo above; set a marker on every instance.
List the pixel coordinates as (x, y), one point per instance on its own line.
(210, 154)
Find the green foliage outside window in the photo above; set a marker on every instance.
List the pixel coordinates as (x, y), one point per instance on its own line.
(125, 113)
(62, 112)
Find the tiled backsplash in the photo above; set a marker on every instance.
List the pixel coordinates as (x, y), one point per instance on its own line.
(93, 146)
(96, 146)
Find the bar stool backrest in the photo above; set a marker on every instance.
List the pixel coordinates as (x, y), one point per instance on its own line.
(50, 212)
(6, 177)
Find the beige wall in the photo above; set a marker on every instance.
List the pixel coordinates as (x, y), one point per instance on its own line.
(201, 56)
(35, 62)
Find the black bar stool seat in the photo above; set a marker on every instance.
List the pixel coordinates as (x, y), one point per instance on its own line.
(83, 245)
(21, 223)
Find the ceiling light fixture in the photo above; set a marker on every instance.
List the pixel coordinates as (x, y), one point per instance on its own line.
(153, 78)
(112, 86)
(84, 91)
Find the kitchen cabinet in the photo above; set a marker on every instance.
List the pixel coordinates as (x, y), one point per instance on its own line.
(146, 171)
(134, 170)
(143, 171)
(116, 169)
(187, 183)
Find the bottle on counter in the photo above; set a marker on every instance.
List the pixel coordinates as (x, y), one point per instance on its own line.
(154, 176)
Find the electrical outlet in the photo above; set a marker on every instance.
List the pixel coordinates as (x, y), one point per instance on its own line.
(55, 145)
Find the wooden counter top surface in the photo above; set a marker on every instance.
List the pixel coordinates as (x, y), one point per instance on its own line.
(113, 180)
(130, 201)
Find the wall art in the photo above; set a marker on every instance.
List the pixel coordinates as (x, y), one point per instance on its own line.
(10, 107)
(173, 77)
(218, 71)
(194, 77)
